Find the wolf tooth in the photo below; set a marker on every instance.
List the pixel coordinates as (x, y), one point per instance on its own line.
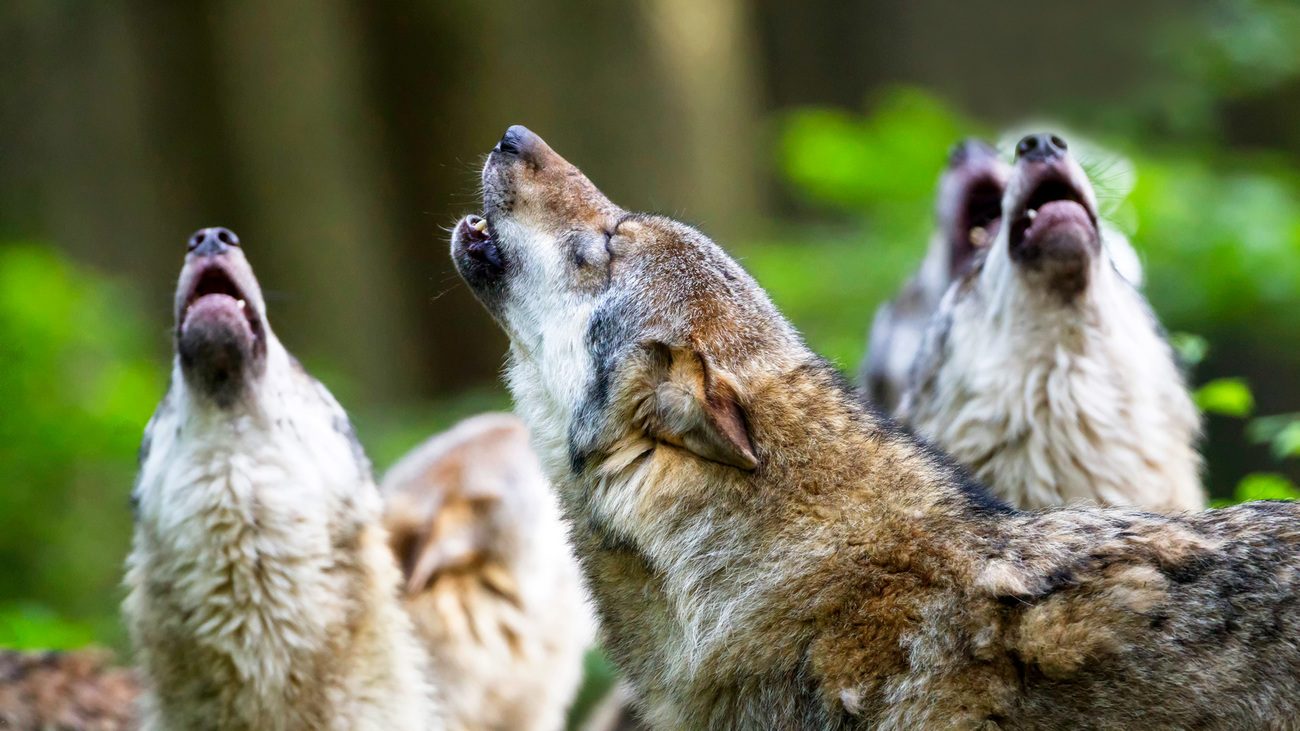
(262, 591)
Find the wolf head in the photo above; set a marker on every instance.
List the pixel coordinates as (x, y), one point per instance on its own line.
(626, 329)
(1044, 369)
(232, 380)
(1050, 245)
(968, 216)
(968, 205)
(221, 330)
(471, 499)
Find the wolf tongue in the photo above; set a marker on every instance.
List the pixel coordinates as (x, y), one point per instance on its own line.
(1057, 212)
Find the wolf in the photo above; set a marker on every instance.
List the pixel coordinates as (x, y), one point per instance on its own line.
(491, 583)
(262, 593)
(766, 552)
(76, 690)
(1044, 371)
(968, 212)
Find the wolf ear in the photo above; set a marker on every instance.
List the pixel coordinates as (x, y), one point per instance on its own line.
(694, 406)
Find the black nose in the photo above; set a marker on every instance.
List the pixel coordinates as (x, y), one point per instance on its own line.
(519, 141)
(1040, 147)
(212, 241)
(969, 150)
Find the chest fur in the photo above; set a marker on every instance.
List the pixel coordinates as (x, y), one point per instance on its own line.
(1045, 418)
(240, 579)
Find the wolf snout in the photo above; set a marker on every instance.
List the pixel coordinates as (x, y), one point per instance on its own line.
(212, 241)
(1040, 148)
(523, 143)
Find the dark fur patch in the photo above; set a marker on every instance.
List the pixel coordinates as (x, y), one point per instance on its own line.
(1189, 571)
(609, 333)
(1059, 579)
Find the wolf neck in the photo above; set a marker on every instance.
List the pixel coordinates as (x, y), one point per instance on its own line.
(1088, 401)
(250, 530)
(695, 541)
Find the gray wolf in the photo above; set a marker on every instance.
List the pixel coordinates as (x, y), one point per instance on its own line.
(766, 552)
(491, 583)
(1044, 370)
(262, 593)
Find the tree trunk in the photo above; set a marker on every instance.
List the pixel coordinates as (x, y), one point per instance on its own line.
(704, 48)
(306, 169)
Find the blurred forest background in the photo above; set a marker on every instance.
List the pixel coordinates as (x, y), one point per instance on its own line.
(340, 138)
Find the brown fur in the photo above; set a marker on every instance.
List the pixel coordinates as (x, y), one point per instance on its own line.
(65, 691)
(852, 578)
(491, 583)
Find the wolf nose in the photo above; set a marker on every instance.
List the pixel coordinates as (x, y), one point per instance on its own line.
(519, 141)
(1040, 147)
(212, 241)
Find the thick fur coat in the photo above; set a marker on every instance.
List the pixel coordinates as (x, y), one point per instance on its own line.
(767, 553)
(262, 591)
(1044, 370)
(491, 583)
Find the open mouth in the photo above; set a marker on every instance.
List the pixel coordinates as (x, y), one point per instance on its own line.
(979, 219)
(479, 244)
(476, 253)
(215, 294)
(1054, 202)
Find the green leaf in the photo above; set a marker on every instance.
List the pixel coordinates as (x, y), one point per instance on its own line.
(1266, 486)
(1226, 397)
(1280, 431)
(1287, 442)
(36, 627)
(1190, 348)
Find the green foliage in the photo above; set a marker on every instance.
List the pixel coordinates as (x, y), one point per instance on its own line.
(26, 626)
(1250, 46)
(1191, 349)
(77, 393)
(1281, 432)
(1261, 486)
(884, 165)
(1220, 247)
(599, 677)
(799, 274)
(1226, 397)
(862, 162)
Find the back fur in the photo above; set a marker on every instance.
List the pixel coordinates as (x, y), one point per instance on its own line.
(65, 691)
(847, 577)
(491, 583)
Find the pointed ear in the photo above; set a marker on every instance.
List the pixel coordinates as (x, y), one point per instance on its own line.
(428, 539)
(695, 406)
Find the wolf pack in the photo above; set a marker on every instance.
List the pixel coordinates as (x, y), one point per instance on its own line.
(1002, 526)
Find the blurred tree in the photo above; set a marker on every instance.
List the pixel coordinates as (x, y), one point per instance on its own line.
(306, 152)
(705, 49)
